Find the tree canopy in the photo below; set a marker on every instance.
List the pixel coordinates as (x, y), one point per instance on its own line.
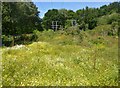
(87, 16)
(20, 18)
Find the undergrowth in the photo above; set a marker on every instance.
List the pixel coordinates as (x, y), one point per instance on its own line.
(63, 58)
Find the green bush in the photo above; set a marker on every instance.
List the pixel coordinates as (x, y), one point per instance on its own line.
(69, 36)
(108, 19)
(36, 33)
(15, 40)
(67, 24)
(72, 31)
(113, 18)
(26, 39)
(83, 26)
(102, 20)
(7, 40)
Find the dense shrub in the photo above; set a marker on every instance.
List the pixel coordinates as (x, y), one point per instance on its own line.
(7, 40)
(19, 39)
(72, 31)
(68, 36)
(108, 19)
(92, 24)
(67, 24)
(83, 26)
(113, 18)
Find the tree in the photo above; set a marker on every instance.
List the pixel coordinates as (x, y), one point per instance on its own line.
(92, 24)
(19, 18)
(71, 14)
(53, 15)
(87, 18)
(80, 16)
(64, 12)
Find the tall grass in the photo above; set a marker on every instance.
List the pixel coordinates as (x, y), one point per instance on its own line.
(63, 59)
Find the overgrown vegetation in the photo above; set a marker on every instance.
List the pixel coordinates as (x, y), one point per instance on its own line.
(82, 55)
(63, 58)
(13, 24)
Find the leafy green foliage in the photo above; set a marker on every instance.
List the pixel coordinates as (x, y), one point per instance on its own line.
(113, 18)
(17, 40)
(53, 15)
(68, 24)
(7, 40)
(12, 18)
(108, 19)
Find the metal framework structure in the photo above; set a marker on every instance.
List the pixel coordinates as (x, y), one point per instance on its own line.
(55, 25)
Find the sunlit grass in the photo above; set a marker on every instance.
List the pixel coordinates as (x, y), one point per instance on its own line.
(72, 64)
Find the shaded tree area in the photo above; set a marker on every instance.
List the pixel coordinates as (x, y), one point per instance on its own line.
(19, 18)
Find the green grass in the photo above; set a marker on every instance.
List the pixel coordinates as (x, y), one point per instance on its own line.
(63, 59)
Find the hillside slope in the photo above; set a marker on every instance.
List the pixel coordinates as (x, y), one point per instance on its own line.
(65, 59)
